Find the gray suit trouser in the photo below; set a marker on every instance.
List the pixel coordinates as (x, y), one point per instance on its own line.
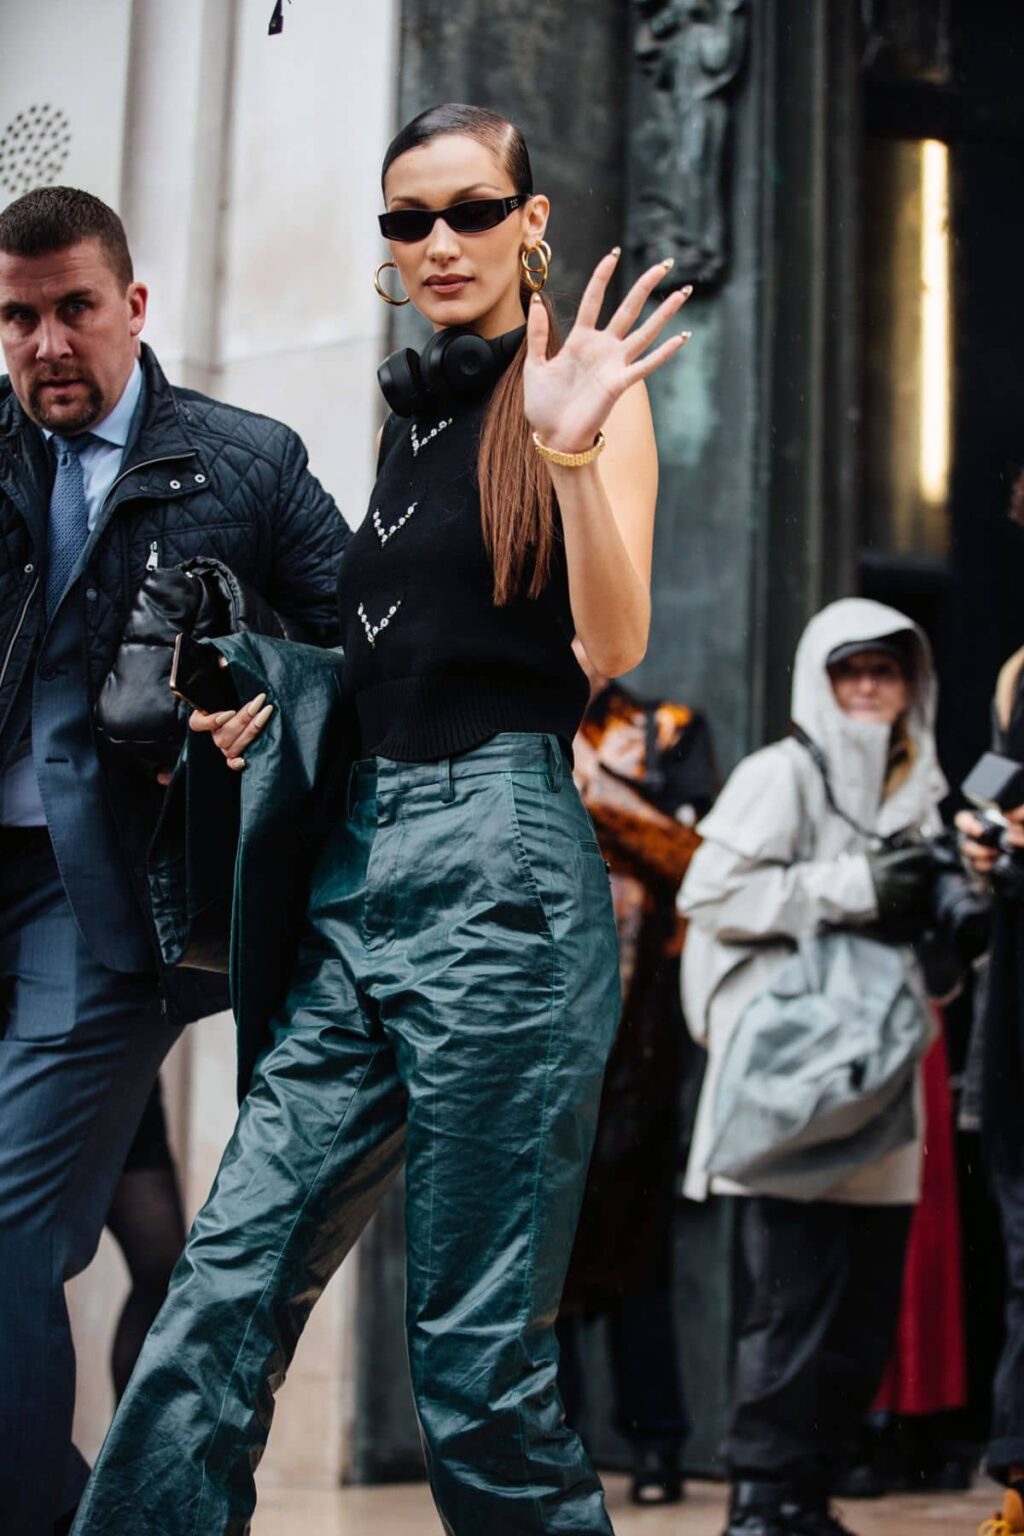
(80, 1048)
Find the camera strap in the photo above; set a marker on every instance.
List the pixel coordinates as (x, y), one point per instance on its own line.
(820, 762)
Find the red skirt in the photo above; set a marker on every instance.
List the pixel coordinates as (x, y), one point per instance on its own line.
(927, 1370)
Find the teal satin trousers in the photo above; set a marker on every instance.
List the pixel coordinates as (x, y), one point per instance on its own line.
(453, 1003)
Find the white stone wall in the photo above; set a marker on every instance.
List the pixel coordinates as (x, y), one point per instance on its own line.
(246, 168)
(58, 121)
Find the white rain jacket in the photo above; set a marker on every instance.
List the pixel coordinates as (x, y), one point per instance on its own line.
(777, 864)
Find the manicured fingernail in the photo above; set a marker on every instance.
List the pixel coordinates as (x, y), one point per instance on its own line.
(256, 704)
(669, 261)
(616, 251)
(685, 335)
(224, 716)
(264, 714)
(687, 290)
(536, 299)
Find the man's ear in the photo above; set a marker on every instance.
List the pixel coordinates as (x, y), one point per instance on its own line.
(137, 298)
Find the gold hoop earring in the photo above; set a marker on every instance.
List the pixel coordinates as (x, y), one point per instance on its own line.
(378, 285)
(536, 277)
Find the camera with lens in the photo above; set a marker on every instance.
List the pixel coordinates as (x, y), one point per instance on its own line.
(962, 910)
(951, 926)
(994, 786)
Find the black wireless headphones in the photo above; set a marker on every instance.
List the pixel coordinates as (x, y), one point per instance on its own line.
(455, 364)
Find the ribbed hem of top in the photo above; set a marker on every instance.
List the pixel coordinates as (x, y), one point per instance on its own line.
(421, 719)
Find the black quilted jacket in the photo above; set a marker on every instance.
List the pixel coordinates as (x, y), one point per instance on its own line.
(202, 478)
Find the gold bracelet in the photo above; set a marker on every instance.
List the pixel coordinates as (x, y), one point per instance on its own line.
(570, 460)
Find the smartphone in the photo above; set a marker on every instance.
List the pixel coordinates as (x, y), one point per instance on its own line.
(198, 678)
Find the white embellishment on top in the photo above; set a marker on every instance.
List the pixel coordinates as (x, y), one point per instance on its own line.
(419, 443)
(388, 533)
(373, 630)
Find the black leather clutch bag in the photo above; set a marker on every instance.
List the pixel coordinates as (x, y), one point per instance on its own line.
(136, 713)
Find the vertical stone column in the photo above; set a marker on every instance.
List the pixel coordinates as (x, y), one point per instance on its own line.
(808, 493)
(178, 134)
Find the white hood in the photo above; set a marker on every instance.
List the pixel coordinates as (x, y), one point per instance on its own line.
(857, 751)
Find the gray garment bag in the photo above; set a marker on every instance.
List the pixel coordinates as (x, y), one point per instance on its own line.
(818, 1077)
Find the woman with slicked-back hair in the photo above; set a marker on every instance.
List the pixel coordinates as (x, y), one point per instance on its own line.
(456, 992)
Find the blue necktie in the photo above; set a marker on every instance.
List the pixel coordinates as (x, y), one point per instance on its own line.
(69, 516)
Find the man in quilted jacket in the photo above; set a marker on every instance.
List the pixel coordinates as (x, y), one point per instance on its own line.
(106, 472)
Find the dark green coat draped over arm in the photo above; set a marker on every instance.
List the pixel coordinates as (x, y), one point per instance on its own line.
(233, 851)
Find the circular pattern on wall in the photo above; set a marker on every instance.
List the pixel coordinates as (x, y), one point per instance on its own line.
(33, 148)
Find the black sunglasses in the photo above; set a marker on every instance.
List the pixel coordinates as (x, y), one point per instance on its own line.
(472, 218)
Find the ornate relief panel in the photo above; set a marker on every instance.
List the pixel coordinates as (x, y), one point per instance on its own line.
(688, 55)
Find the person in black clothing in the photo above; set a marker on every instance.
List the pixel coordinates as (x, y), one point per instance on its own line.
(455, 993)
(106, 470)
(1000, 1054)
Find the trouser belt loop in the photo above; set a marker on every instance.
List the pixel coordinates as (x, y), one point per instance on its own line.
(554, 752)
(446, 781)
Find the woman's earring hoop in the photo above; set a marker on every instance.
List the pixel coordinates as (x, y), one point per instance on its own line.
(378, 285)
(536, 277)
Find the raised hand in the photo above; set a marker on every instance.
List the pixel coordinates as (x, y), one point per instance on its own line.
(568, 397)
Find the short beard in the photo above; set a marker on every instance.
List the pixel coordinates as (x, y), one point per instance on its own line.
(60, 421)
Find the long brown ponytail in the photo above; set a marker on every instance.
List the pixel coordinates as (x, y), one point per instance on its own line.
(517, 502)
(516, 497)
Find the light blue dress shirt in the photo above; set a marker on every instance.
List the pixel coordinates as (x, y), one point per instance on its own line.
(20, 805)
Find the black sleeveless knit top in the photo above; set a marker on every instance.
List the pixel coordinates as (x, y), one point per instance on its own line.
(434, 666)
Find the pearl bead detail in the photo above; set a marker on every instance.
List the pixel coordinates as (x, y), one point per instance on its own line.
(388, 533)
(418, 443)
(373, 630)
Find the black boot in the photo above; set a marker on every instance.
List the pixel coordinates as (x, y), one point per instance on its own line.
(809, 1514)
(656, 1476)
(756, 1509)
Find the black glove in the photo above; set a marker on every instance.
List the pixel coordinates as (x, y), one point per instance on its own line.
(903, 879)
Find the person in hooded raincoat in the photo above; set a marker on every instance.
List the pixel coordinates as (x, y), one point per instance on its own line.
(780, 863)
